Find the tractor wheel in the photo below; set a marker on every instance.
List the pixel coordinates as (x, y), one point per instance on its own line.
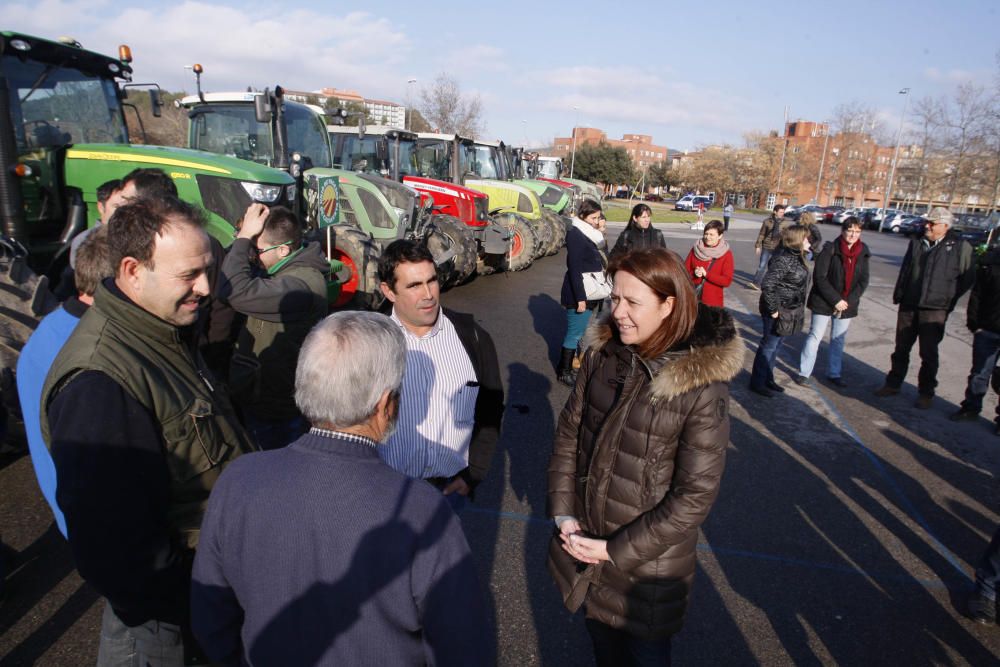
(555, 225)
(462, 241)
(543, 235)
(359, 288)
(24, 300)
(523, 244)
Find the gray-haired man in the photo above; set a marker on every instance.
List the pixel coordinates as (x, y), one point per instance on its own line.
(382, 572)
(937, 270)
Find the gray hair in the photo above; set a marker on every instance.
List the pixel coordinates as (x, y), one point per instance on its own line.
(345, 365)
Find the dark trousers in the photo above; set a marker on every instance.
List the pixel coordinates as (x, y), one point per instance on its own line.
(912, 325)
(725, 223)
(767, 354)
(617, 648)
(988, 571)
(985, 346)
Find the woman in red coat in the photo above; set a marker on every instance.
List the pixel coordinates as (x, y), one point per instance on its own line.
(710, 264)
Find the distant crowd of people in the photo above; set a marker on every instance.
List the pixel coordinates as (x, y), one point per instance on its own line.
(248, 479)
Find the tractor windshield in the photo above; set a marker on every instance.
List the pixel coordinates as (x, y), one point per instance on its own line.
(548, 169)
(232, 129)
(54, 105)
(433, 159)
(481, 161)
(362, 154)
(409, 159)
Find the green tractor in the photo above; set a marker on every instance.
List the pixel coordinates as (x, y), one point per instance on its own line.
(62, 134)
(354, 215)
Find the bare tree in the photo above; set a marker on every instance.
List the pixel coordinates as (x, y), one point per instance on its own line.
(964, 124)
(922, 171)
(853, 163)
(447, 109)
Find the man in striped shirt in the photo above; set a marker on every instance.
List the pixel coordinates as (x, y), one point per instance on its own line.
(451, 403)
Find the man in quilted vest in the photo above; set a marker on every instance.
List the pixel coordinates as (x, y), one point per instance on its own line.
(139, 431)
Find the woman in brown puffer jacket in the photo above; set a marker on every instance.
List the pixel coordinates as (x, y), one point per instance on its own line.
(638, 455)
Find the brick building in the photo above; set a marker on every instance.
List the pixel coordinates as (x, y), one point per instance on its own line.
(845, 169)
(639, 147)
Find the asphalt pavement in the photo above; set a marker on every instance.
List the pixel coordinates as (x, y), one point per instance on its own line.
(846, 530)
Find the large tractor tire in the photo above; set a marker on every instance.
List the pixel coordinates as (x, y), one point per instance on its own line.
(523, 243)
(556, 227)
(24, 300)
(359, 289)
(463, 265)
(543, 235)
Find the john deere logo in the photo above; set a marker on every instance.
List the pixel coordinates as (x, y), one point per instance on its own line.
(328, 202)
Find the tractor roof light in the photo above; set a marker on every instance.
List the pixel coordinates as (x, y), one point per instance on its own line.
(124, 53)
(197, 68)
(20, 45)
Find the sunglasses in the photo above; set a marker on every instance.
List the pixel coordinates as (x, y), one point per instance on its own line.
(261, 251)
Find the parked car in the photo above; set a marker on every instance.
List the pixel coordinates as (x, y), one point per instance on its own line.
(795, 214)
(690, 203)
(652, 197)
(893, 222)
(838, 218)
(882, 216)
(829, 213)
(913, 226)
(973, 228)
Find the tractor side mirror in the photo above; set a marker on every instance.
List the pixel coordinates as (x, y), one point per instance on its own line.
(262, 107)
(382, 149)
(155, 103)
(361, 126)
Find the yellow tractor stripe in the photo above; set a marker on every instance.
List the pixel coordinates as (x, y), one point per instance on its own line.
(74, 154)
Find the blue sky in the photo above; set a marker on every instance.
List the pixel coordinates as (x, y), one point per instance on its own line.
(687, 73)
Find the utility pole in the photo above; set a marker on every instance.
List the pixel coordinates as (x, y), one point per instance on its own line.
(822, 160)
(784, 148)
(895, 153)
(409, 105)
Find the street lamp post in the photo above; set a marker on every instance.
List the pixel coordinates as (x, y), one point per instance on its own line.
(576, 121)
(408, 119)
(895, 153)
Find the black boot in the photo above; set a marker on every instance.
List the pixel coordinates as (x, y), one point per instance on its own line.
(565, 368)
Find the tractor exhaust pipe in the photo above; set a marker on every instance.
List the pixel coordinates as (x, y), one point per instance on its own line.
(280, 130)
(11, 204)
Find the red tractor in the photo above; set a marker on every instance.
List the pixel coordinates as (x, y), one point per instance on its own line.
(480, 243)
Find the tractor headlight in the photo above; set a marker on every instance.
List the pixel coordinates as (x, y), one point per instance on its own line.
(262, 193)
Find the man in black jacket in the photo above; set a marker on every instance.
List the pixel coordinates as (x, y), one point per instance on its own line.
(452, 396)
(983, 320)
(937, 270)
(282, 293)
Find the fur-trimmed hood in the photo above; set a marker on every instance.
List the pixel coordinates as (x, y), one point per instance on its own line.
(712, 353)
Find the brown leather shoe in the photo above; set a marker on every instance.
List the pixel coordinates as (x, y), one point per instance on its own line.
(924, 402)
(886, 390)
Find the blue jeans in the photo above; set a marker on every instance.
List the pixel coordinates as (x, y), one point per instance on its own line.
(576, 324)
(765, 257)
(617, 648)
(838, 337)
(988, 571)
(985, 346)
(153, 643)
(767, 352)
(270, 434)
